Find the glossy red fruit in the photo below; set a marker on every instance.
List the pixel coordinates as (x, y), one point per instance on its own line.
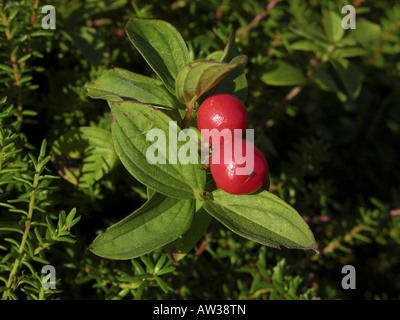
(221, 111)
(224, 168)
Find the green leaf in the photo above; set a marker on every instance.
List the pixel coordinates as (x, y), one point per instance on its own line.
(159, 221)
(182, 246)
(351, 52)
(231, 50)
(309, 31)
(235, 82)
(350, 76)
(161, 45)
(284, 74)
(84, 155)
(119, 84)
(333, 27)
(131, 122)
(6, 68)
(365, 32)
(197, 77)
(160, 263)
(215, 56)
(163, 285)
(324, 80)
(261, 217)
(305, 45)
(88, 41)
(148, 263)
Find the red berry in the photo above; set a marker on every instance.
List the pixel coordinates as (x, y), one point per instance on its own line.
(224, 168)
(221, 111)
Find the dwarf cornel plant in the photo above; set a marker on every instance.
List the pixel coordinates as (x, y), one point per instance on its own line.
(178, 197)
(78, 102)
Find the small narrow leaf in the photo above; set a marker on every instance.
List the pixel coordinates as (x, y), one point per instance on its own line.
(261, 217)
(196, 78)
(159, 221)
(305, 45)
(161, 45)
(163, 285)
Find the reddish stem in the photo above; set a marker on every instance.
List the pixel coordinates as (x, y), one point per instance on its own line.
(262, 15)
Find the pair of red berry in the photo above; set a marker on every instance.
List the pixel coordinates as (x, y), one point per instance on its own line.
(225, 111)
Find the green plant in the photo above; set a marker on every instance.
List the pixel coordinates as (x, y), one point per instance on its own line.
(322, 103)
(138, 105)
(30, 225)
(273, 283)
(29, 229)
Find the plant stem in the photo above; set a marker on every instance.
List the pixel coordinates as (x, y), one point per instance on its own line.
(13, 59)
(377, 53)
(26, 232)
(15, 66)
(262, 15)
(188, 114)
(335, 244)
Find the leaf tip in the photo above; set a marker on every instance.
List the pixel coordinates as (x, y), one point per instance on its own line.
(315, 248)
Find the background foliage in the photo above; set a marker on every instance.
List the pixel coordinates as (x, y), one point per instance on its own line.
(324, 104)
